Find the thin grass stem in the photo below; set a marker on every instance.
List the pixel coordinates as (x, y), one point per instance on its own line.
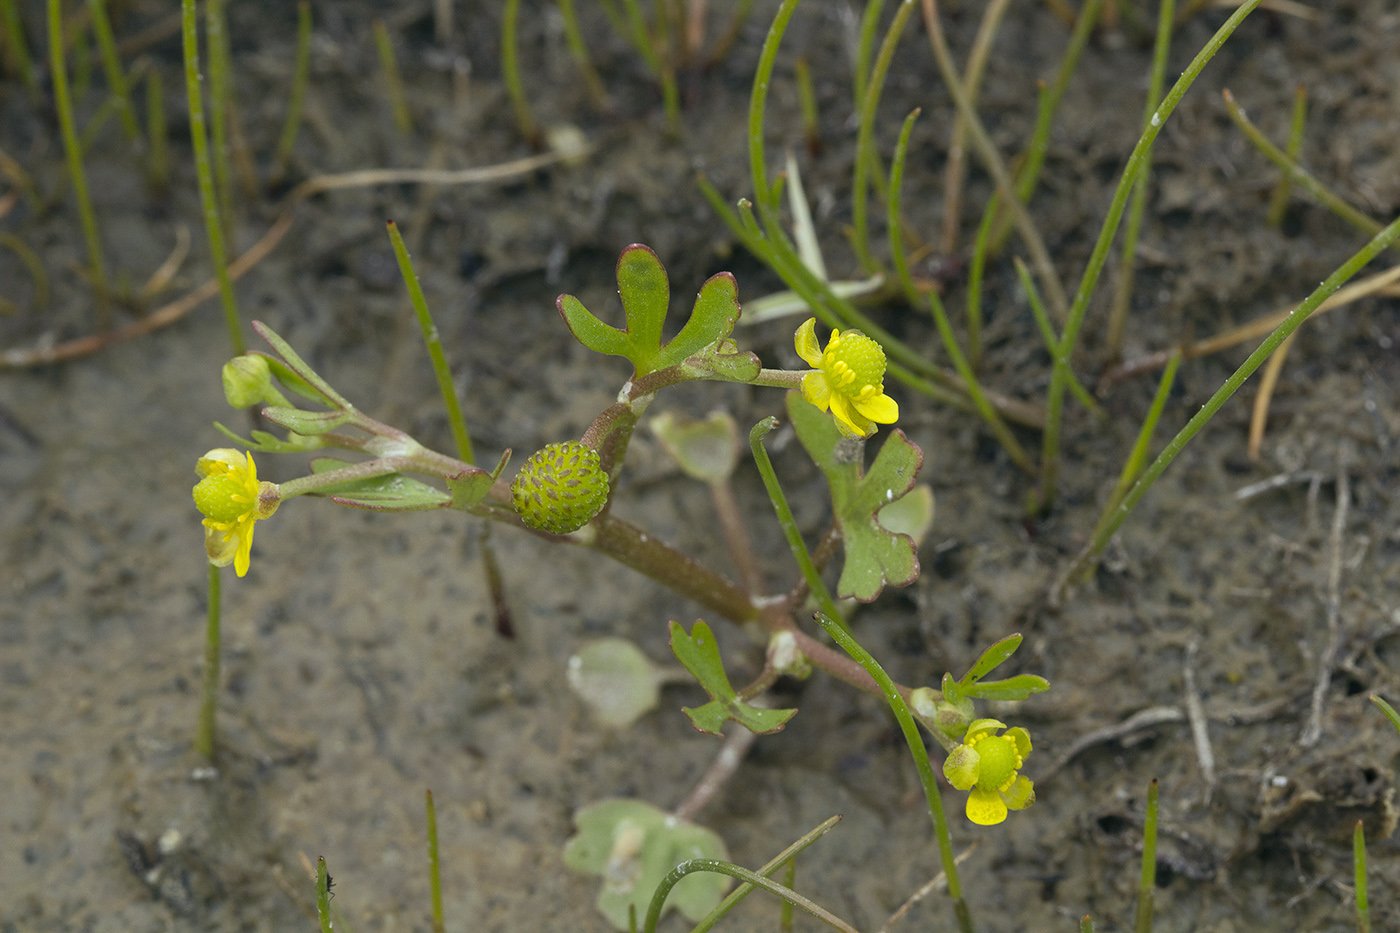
(1147, 882)
(921, 761)
(945, 331)
(216, 43)
(199, 137)
(323, 896)
(663, 69)
(807, 100)
(441, 370)
(17, 58)
(205, 735)
(992, 161)
(63, 101)
(786, 857)
(112, 66)
(157, 141)
(1047, 333)
(785, 909)
(663, 890)
(1382, 241)
(1388, 710)
(730, 34)
(866, 163)
(510, 73)
(1268, 381)
(1028, 175)
(1278, 201)
(955, 173)
(434, 866)
(1127, 262)
(33, 264)
(865, 47)
(1136, 457)
(1299, 175)
(82, 58)
(573, 34)
(393, 80)
(301, 77)
(1069, 337)
(1358, 866)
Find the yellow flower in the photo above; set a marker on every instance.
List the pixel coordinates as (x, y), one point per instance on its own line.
(987, 764)
(849, 379)
(232, 501)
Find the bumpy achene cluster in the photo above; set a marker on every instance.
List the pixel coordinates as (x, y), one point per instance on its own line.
(560, 488)
(848, 378)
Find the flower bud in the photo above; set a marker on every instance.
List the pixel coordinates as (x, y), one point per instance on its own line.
(949, 717)
(248, 382)
(560, 488)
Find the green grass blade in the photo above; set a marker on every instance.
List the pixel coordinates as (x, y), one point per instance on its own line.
(786, 857)
(434, 344)
(1127, 262)
(301, 77)
(434, 865)
(1382, 241)
(63, 100)
(199, 137)
(945, 331)
(1296, 172)
(112, 66)
(1278, 201)
(1147, 881)
(1069, 338)
(1358, 861)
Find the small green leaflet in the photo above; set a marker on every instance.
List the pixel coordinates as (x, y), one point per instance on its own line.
(699, 653)
(875, 555)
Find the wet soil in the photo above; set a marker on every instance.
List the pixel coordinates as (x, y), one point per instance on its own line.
(361, 659)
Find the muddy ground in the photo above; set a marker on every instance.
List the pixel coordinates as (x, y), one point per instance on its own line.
(361, 661)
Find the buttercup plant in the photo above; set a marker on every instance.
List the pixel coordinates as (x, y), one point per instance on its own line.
(564, 491)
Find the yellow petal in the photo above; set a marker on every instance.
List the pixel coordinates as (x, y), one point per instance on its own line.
(807, 346)
(881, 408)
(1020, 794)
(1022, 738)
(221, 545)
(985, 807)
(816, 391)
(850, 422)
(960, 767)
(219, 460)
(245, 547)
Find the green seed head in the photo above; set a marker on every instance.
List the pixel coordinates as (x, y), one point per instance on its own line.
(560, 488)
(854, 365)
(222, 497)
